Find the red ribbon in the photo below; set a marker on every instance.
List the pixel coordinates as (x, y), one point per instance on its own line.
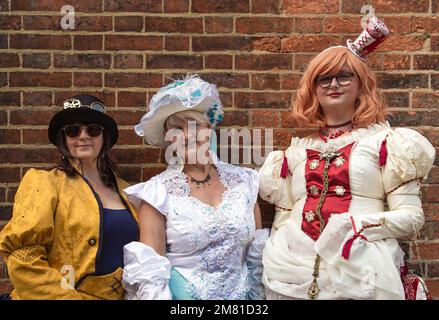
(383, 153)
(284, 170)
(348, 245)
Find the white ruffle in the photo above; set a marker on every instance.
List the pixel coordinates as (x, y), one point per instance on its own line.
(146, 273)
(254, 264)
(410, 155)
(152, 191)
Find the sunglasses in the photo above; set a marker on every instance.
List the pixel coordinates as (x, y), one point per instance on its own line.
(343, 79)
(74, 130)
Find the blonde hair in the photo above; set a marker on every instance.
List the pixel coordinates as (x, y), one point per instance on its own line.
(371, 106)
(187, 115)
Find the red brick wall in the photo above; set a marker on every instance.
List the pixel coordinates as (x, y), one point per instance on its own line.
(254, 50)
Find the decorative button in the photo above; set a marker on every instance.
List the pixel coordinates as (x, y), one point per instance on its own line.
(314, 164)
(314, 190)
(309, 216)
(339, 161)
(92, 241)
(339, 190)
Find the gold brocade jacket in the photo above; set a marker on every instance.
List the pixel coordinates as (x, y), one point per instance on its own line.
(53, 241)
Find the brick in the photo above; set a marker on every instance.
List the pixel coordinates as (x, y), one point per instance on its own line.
(86, 23)
(224, 6)
(36, 60)
(435, 81)
(87, 42)
(262, 100)
(432, 270)
(4, 7)
(174, 25)
(30, 41)
(10, 98)
(3, 79)
(223, 43)
(30, 117)
(87, 79)
(35, 136)
(10, 174)
(433, 176)
(37, 98)
(20, 155)
(10, 194)
(176, 6)
(282, 137)
(150, 172)
(226, 99)
(308, 43)
(265, 81)
(56, 5)
(126, 117)
(264, 25)
(413, 118)
(402, 81)
(290, 81)
(265, 6)
(10, 22)
(42, 23)
(130, 174)
(149, 6)
(270, 44)
(434, 43)
(105, 96)
(435, 6)
(5, 285)
(227, 80)
(171, 61)
(83, 61)
(235, 118)
(218, 24)
(308, 25)
(126, 99)
(124, 42)
(310, 6)
(9, 60)
(263, 62)
(3, 41)
(429, 24)
(396, 62)
(40, 79)
(2, 199)
(402, 43)
(129, 137)
(341, 24)
(398, 25)
(9, 136)
(394, 6)
(218, 61)
(3, 117)
(429, 193)
(141, 80)
(128, 61)
(426, 62)
(429, 250)
(137, 156)
(176, 43)
(265, 118)
(425, 100)
(130, 23)
(398, 99)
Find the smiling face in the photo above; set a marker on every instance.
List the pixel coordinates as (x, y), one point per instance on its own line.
(84, 147)
(335, 93)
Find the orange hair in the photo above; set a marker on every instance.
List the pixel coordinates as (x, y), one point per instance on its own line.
(371, 106)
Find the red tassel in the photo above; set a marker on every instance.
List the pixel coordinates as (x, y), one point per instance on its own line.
(383, 153)
(346, 252)
(284, 170)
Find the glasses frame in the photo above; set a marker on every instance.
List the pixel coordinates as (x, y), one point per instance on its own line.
(80, 129)
(351, 74)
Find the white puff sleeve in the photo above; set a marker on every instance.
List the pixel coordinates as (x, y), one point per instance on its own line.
(276, 189)
(153, 191)
(410, 158)
(252, 181)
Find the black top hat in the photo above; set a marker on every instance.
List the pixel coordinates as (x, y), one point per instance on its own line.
(84, 109)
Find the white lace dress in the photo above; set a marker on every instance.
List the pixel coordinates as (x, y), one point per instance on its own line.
(208, 246)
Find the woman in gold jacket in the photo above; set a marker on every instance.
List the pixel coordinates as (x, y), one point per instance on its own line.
(69, 225)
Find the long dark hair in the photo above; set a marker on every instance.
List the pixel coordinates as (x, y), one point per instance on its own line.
(106, 163)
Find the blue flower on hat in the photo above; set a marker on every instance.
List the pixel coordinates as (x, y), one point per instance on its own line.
(214, 114)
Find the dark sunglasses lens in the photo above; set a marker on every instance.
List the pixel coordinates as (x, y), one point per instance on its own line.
(72, 131)
(94, 130)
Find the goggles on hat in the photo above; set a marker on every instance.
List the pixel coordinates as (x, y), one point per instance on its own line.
(75, 103)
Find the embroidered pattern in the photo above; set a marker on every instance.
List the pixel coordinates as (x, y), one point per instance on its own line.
(339, 161)
(340, 190)
(309, 216)
(313, 189)
(314, 164)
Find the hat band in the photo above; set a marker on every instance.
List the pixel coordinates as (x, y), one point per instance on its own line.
(75, 103)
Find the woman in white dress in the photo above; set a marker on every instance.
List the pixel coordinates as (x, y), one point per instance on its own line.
(333, 237)
(200, 224)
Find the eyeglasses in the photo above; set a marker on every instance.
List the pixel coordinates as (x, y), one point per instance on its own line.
(343, 79)
(75, 103)
(74, 130)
